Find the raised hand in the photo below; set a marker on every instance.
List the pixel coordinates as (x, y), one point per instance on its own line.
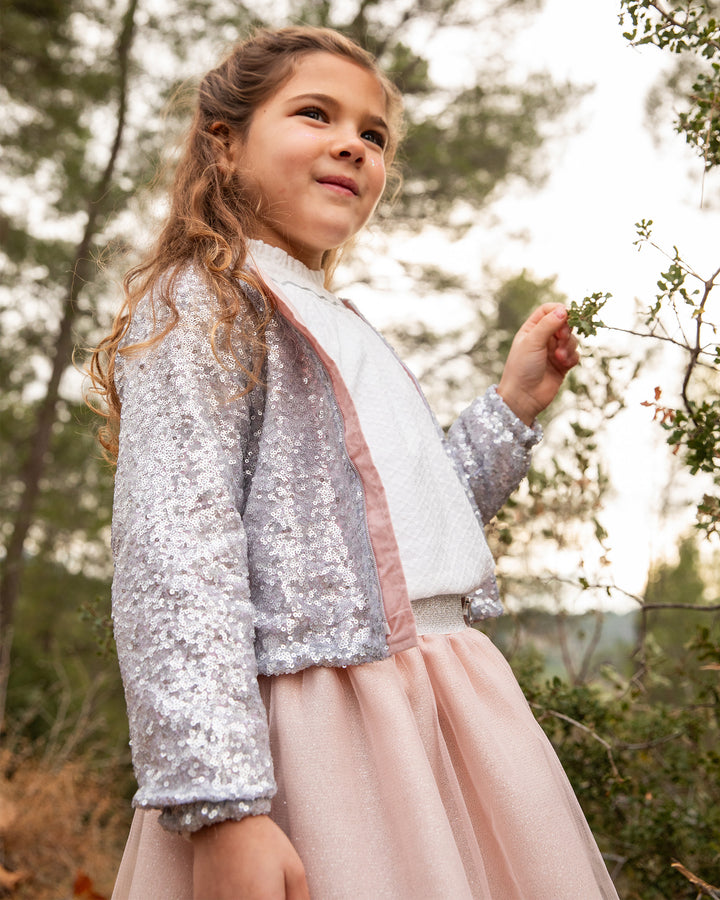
(542, 353)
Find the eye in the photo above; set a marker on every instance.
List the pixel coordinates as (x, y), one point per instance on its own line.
(375, 137)
(313, 112)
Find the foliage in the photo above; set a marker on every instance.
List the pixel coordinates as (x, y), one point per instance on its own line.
(62, 825)
(637, 732)
(582, 317)
(646, 771)
(687, 30)
(651, 740)
(683, 28)
(52, 151)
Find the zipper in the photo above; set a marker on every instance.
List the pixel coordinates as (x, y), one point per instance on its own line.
(328, 383)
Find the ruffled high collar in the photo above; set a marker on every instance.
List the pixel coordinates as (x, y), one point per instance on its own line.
(279, 265)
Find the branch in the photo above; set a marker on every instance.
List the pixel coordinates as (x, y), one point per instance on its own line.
(696, 607)
(707, 889)
(676, 23)
(592, 646)
(564, 651)
(593, 734)
(686, 267)
(649, 334)
(697, 349)
(648, 745)
(587, 585)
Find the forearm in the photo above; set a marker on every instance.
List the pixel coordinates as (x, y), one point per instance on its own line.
(518, 401)
(491, 449)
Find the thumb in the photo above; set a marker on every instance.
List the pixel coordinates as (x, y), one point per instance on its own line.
(547, 324)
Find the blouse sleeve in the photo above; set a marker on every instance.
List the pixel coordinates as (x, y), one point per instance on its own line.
(491, 448)
(182, 613)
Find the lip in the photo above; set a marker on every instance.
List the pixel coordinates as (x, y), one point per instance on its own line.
(341, 181)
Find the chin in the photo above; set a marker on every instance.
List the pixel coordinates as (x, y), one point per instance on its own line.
(334, 234)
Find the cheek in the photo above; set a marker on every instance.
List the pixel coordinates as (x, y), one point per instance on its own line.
(376, 172)
(376, 165)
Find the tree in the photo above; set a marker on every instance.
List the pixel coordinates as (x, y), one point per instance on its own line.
(48, 116)
(673, 599)
(77, 99)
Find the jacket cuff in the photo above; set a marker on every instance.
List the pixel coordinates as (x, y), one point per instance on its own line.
(188, 817)
(526, 435)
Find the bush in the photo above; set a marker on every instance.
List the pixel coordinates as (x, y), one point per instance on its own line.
(646, 771)
(62, 827)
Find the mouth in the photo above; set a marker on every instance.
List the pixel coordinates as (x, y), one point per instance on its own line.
(341, 184)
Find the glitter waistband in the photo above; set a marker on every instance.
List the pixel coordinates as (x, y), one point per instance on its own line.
(439, 615)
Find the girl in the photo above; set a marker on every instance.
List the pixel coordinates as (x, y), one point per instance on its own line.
(299, 549)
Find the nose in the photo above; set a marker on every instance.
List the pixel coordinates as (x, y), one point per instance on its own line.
(348, 145)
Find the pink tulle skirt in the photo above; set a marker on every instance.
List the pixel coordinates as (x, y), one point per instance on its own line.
(421, 777)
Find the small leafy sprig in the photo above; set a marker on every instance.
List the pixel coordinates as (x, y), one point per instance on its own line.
(701, 124)
(95, 614)
(698, 430)
(687, 27)
(583, 317)
(676, 28)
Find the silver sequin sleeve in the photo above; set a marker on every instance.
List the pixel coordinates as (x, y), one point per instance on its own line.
(181, 603)
(491, 449)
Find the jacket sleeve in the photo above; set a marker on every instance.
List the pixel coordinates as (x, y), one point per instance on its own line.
(182, 614)
(491, 448)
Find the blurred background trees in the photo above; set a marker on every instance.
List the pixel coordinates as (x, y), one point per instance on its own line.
(87, 123)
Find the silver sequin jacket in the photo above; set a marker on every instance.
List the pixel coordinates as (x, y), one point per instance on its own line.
(251, 535)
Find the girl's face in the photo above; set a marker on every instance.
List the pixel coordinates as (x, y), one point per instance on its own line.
(313, 158)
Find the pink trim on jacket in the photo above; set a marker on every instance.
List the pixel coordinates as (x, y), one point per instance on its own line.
(393, 587)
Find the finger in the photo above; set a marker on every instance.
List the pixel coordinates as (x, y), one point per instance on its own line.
(296, 886)
(566, 340)
(563, 333)
(566, 356)
(540, 313)
(548, 324)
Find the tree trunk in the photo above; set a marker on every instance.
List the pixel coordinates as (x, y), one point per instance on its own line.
(82, 273)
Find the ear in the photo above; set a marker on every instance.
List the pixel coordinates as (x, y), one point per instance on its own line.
(223, 146)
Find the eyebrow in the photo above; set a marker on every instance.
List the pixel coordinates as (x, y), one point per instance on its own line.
(378, 121)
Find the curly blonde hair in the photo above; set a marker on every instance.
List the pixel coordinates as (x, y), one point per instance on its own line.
(211, 217)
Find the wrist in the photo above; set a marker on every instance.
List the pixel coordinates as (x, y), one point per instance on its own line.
(519, 403)
(227, 829)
